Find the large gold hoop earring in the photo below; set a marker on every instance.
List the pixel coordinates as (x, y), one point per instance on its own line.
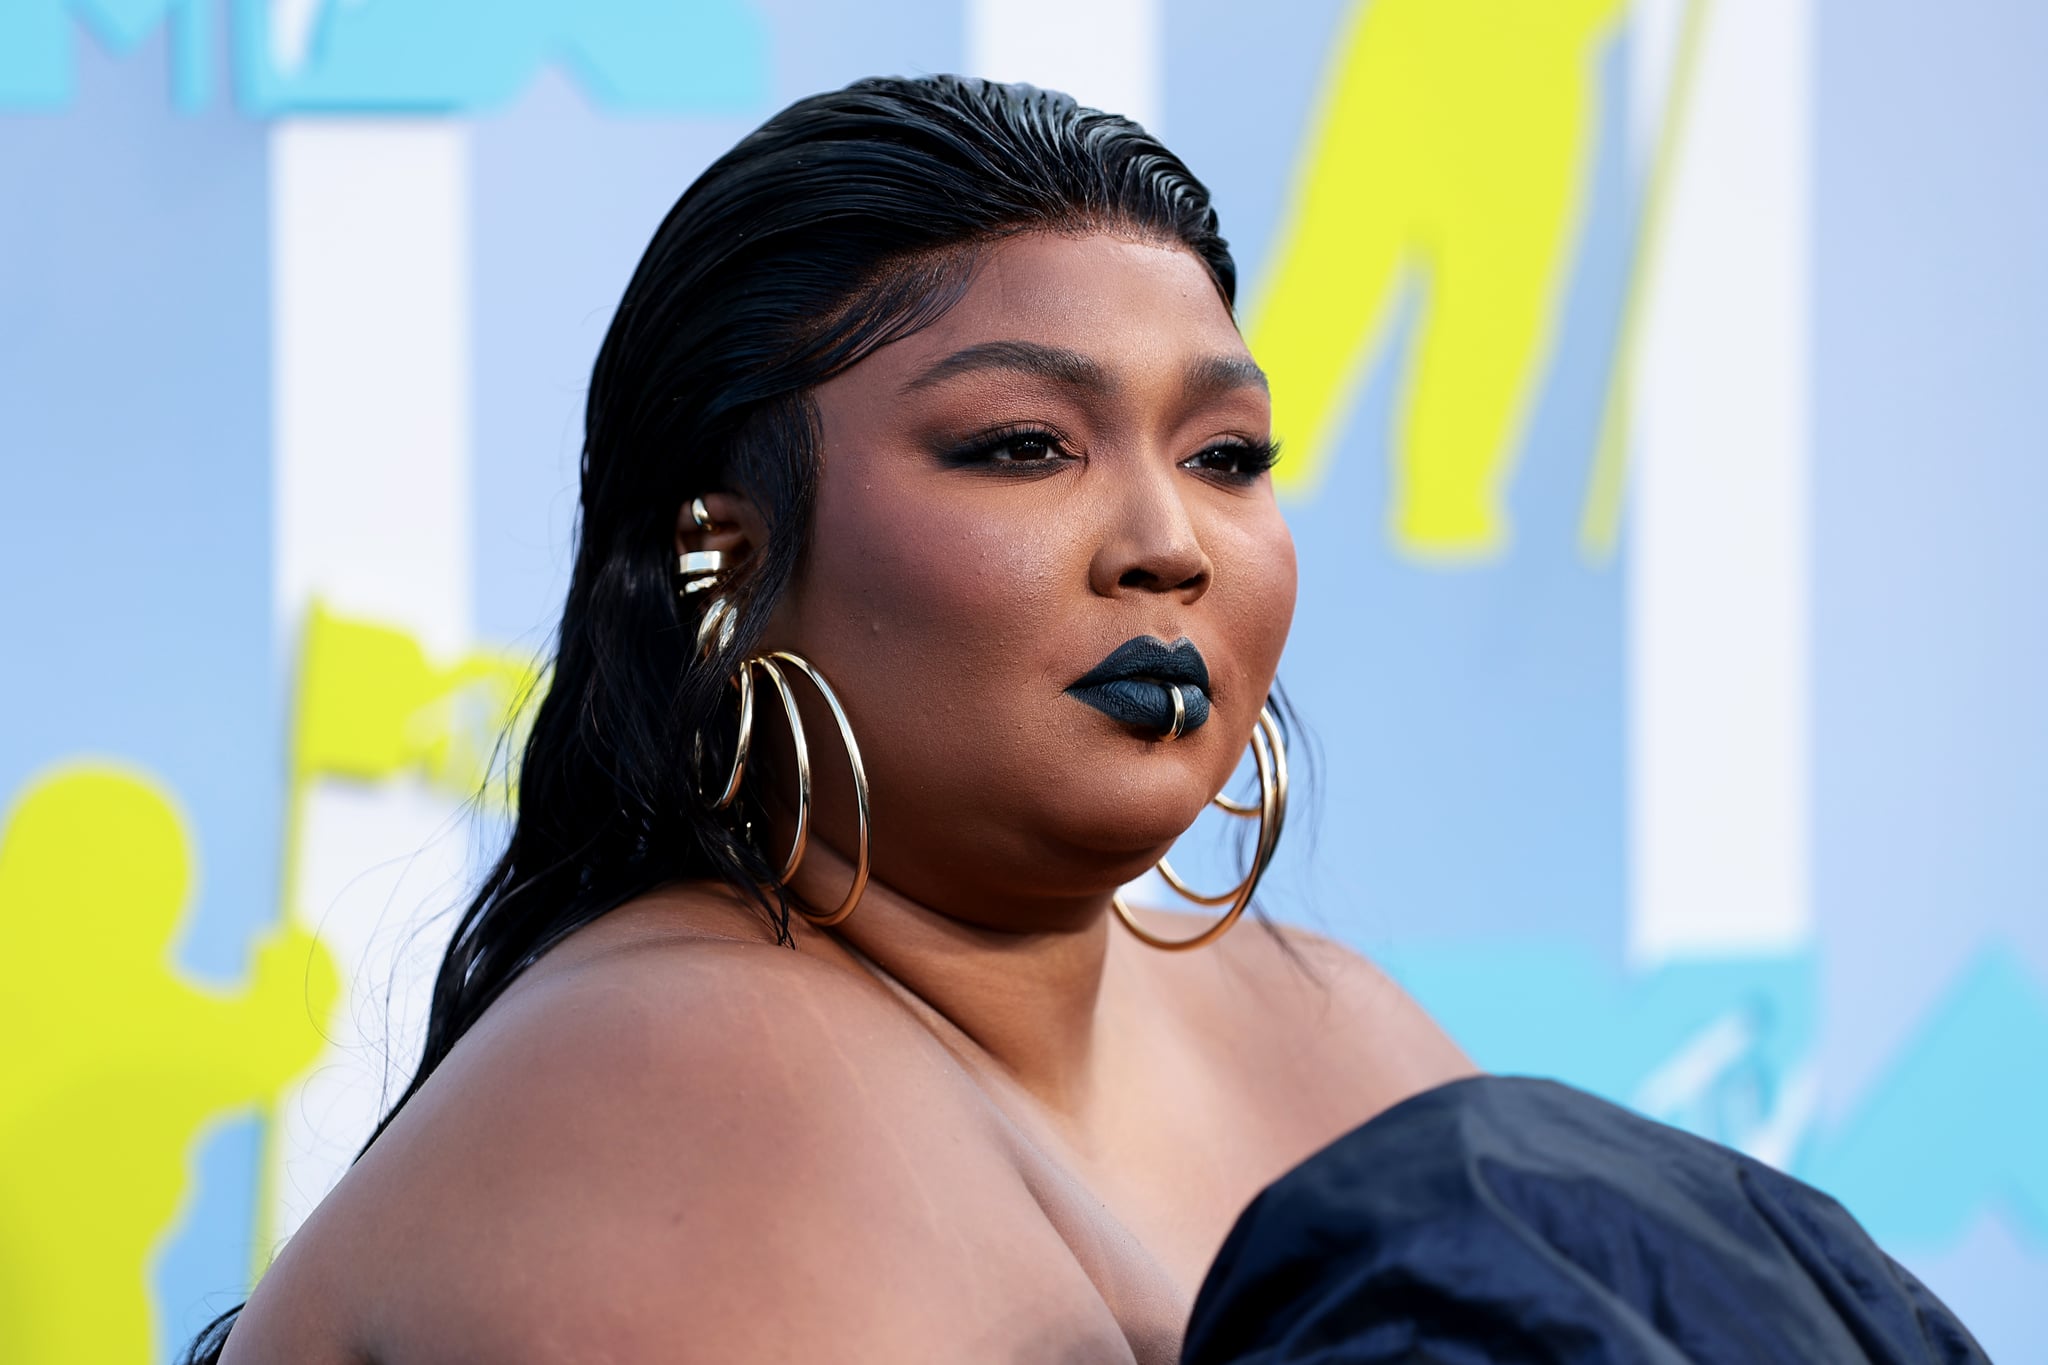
(1269, 756)
(772, 665)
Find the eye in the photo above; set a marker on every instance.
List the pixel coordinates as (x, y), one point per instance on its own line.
(1235, 461)
(1011, 449)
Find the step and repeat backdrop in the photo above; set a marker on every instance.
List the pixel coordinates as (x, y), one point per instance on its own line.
(1660, 380)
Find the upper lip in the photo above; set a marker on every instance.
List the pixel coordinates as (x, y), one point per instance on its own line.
(1150, 658)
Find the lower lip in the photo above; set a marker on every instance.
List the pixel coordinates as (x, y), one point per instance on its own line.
(1148, 705)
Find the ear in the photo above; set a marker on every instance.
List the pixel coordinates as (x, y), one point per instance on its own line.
(737, 527)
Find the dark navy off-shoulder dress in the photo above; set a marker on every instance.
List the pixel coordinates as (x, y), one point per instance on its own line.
(1499, 1220)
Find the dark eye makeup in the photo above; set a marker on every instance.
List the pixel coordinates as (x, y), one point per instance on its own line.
(1235, 460)
(1029, 451)
(1009, 450)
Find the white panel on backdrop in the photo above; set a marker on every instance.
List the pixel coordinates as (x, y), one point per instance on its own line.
(1718, 555)
(376, 865)
(1105, 53)
(371, 322)
(370, 311)
(292, 23)
(1656, 29)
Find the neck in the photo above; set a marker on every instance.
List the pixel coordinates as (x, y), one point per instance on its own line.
(1029, 1003)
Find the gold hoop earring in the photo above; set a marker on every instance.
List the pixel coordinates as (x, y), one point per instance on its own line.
(1269, 756)
(771, 664)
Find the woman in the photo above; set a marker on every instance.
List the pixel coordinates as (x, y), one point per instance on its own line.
(925, 424)
(947, 373)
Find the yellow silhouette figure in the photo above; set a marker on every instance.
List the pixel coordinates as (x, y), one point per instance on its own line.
(115, 1063)
(1452, 149)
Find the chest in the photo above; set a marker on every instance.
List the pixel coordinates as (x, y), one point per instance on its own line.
(1146, 1191)
(1144, 1258)
(1145, 1202)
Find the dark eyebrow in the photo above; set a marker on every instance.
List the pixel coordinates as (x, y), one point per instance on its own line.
(1215, 375)
(1208, 377)
(1070, 369)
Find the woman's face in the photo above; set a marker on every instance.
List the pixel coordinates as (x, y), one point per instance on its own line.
(1070, 459)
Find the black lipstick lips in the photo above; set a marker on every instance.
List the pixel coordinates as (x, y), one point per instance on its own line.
(1131, 684)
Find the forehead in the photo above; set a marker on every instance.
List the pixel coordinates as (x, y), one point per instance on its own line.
(1126, 304)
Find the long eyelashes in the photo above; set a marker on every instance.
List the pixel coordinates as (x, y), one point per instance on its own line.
(1030, 450)
(1242, 461)
(1010, 450)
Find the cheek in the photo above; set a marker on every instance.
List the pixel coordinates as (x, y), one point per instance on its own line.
(935, 612)
(928, 577)
(1256, 580)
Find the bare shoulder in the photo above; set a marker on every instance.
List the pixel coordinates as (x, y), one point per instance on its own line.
(1319, 1031)
(1347, 997)
(683, 1149)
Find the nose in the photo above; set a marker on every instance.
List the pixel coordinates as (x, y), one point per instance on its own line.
(1150, 545)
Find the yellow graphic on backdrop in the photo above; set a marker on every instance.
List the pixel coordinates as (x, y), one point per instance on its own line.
(1452, 151)
(116, 1063)
(372, 706)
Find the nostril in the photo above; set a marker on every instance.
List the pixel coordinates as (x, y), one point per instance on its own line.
(1149, 581)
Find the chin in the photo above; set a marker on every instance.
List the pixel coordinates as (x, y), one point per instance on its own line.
(1137, 805)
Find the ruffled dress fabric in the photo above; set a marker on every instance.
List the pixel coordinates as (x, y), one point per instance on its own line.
(1505, 1220)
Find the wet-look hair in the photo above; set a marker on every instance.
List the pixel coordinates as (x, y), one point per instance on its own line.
(845, 222)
